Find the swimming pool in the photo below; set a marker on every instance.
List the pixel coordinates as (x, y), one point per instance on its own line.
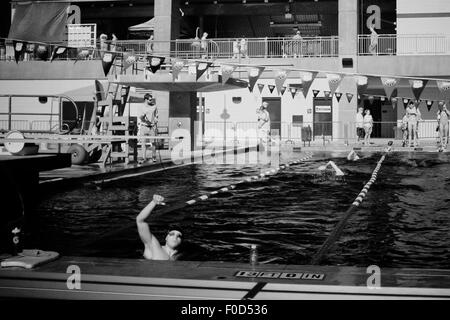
(403, 222)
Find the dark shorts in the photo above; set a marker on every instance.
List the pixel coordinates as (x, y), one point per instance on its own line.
(360, 132)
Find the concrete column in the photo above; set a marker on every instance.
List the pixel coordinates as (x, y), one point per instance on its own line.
(167, 26)
(348, 48)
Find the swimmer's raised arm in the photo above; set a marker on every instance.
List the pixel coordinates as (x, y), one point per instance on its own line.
(146, 236)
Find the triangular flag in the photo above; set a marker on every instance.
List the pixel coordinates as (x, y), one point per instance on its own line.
(383, 98)
(334, 80)
(338, 96)
(389, 85)
(42, 52)
(57, 51)
(107, 61)
(128, 59)
(444, 88)
(177, 66)
(371, 99)
(283, 90)
(307, 80)
(362, 83)
(253, 75)
(271, 87)
(327, 94)
(19, 49)
(227, 72)
(315, 93)
(155, 63)
(417, 87)
(260, 87)
(200, 68)
(394, 101)
(82, 53)
(405, 102)
(349, 97)
(429, 104)
(280, 78)
(293, 92)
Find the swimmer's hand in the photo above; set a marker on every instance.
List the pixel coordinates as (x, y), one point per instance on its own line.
(157, 199)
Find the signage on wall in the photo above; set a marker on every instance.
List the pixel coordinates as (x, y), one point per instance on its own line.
(323, 109)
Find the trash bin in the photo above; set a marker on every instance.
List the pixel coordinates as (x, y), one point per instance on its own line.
(306, 135)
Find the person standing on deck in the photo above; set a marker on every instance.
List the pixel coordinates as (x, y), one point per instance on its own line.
(368, 125)
(263, 123)
(297, 39)
(148, 125)
(443, 117)
(360, 124)
(152, 248)
(411, 112)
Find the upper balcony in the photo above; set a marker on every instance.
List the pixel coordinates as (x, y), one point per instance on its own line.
(407, 55)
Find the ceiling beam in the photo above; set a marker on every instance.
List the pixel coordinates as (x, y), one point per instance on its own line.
(115, 12)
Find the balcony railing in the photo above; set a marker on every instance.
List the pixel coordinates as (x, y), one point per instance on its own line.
(230, 48)
(392, 44)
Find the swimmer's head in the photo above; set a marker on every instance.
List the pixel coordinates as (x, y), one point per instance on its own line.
(174, 237)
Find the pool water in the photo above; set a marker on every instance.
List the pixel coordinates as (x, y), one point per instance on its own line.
(404, 221)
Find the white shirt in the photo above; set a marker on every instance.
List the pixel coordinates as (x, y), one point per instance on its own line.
(359, 120)
(150, 112)
(368, 120)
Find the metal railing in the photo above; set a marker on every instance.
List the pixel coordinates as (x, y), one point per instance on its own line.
(392, 44)
(238, 132)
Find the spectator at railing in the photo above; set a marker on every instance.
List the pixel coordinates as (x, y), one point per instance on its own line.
(297, 39)
(244, 47)
(113, 45)
(368, 126)
(443, 118)
(149, 46)
(360, 124)
(103, 44)
(373, 40)
(204, 45)
(404, 128)
(236, 49)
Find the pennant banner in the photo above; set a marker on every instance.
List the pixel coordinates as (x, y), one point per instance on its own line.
(177, 66)
(107, 61)
(83, 53)
(57, 52)
(334, 80)
(338, 96)
(349, 97)
(42, 52)
(155, 63)
(260, 87)
(253, 76)
(394, 101)
(405, 102)
(19, 49)
(227, 72)
(128, 60)
(315, 93)
(307, 79)
(200, 68)
(327, 94)
(283, 90)
(293, 92)
(271, 87)
(389, 85)
(280, 78)
(371, 99)
(417, 87)
(429, 104)
(362, 83)
(444, 88)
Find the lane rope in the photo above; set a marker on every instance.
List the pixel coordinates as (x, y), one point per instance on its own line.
(338, 229)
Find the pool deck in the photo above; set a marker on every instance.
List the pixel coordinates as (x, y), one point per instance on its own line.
(107, 278)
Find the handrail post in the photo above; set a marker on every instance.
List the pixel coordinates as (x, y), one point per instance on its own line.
(9, 112)
(266, 47)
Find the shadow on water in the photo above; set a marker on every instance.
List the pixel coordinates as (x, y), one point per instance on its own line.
(403, 222)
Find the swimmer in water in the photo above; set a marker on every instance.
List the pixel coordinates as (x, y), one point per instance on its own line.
(152, 248)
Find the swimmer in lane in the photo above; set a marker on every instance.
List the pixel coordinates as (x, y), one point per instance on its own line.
(152, 248)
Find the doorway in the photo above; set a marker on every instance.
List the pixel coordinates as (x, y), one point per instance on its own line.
(274, 110)
(323, 117)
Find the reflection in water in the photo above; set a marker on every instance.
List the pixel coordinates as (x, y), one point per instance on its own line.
(404, 220)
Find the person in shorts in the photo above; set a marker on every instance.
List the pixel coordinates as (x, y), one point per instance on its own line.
(148, 125)
(360, 124)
